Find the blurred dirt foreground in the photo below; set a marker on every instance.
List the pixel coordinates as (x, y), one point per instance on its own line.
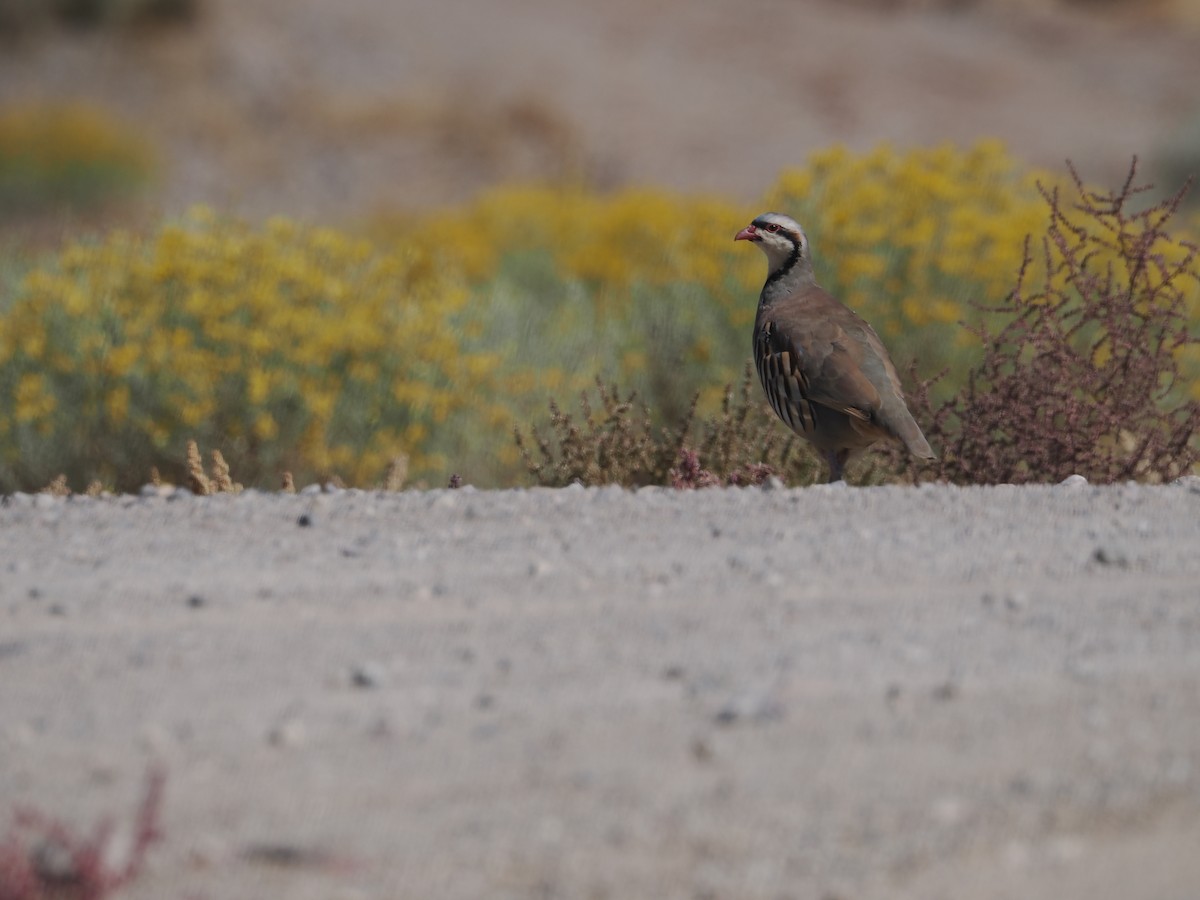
(890, 693)
(337, 110)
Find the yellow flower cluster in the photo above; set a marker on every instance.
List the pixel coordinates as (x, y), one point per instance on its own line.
(72, 153)
(288, 347)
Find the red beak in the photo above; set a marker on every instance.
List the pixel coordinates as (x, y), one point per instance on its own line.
(749, 233)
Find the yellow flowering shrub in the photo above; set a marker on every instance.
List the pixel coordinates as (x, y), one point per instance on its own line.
(289, 348)
(73, 154)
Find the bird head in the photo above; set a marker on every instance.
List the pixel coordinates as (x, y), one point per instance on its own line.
(780, 237)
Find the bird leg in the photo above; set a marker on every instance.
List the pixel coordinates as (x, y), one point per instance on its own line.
(836, 459)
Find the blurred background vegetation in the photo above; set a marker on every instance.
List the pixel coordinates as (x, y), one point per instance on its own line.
(353, 330)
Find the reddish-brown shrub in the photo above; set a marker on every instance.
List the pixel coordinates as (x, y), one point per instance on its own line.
(1084, 375)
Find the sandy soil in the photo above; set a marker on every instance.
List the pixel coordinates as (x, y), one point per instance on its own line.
(338, 110)
(818, 693)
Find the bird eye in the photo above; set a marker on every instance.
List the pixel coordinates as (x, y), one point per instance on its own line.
(773, 228)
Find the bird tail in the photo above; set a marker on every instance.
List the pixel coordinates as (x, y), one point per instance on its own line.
(915, 441)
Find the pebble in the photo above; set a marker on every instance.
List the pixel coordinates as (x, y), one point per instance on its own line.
(366, 675)
(1076, 480)
(945, 691)
(1011, 600)
(1015, 600)
(750, 706)
(1191, 482)
(1110, 555)
(288, 733)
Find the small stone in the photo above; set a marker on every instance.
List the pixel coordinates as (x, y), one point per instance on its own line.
(1011, 600)
(1075, 480)
(1015, 600)
(948, 690)
(366, 675)
(753, 706)
(304, 520)
(311, 489)
(289, 733)
(1108, 555)
(54, 862)
(773, 483)
(1191, 482)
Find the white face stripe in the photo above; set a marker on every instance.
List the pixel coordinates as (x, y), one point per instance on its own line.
(786, 235)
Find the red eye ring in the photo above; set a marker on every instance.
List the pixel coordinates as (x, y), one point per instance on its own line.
(773, 228)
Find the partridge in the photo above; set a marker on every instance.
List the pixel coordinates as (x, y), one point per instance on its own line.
(825, 370)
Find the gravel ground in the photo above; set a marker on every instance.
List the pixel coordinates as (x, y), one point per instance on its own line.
(819, 693)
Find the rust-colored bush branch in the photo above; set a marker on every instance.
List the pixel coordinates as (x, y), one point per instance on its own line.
(43, 858)
(619, 444)
(1084, 376)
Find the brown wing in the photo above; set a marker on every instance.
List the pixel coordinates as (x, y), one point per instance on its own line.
(814, 353)
(807, 361)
